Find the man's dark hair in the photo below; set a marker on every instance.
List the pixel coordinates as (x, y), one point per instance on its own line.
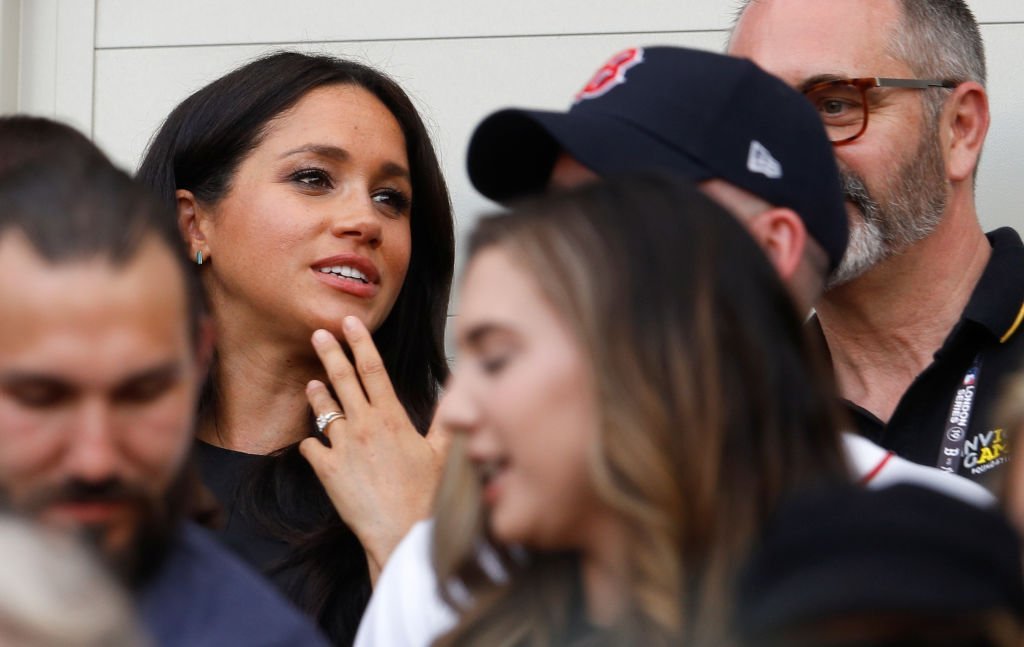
(24, 138)
(72, 204)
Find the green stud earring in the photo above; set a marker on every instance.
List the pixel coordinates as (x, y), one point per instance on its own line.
(199, 257)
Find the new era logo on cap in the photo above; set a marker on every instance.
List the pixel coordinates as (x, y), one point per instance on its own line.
(759, 160)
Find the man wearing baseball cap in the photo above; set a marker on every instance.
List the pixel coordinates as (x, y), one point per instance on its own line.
(751, 142)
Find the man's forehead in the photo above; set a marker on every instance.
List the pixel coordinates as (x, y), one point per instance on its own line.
(77, 310)
(801, 39)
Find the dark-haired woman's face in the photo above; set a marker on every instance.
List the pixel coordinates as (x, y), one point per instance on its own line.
(315, 225)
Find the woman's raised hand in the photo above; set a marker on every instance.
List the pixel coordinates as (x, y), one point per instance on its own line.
(379, 472)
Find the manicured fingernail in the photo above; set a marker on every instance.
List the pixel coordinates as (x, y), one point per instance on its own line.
(351, 323)
(321, 336)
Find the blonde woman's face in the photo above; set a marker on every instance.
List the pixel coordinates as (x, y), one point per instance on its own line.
(524, 396)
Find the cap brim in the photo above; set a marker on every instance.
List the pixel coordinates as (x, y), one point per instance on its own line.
(512, 152)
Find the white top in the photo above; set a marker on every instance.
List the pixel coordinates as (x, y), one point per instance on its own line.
(406, 609)
(878, 468)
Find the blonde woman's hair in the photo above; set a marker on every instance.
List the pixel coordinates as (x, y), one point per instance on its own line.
(713, 407)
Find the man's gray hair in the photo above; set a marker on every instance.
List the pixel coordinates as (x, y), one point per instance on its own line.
(938, 39)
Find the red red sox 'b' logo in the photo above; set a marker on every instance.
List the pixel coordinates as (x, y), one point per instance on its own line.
(611, 73)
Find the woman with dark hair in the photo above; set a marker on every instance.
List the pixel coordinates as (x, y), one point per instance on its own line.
(633, 397)
(310, 197)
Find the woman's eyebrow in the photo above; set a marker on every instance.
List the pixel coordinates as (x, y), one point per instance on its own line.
(475, 335)
(323, 150)
(390, 169)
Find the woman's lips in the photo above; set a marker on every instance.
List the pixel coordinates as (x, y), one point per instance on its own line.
(351, 286)
(349, 273)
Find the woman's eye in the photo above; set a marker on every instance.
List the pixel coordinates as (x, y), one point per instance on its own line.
(494, 365)
(313, 178)
(394, 199)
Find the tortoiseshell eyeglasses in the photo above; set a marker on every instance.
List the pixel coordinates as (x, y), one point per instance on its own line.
(843, 103)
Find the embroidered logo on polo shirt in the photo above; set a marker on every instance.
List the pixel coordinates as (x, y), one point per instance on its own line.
(985, 451)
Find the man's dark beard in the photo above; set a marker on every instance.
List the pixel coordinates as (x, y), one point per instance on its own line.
(136, 562)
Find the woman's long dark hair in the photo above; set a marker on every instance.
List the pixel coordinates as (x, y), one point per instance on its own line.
(713, 405)
(199, 148)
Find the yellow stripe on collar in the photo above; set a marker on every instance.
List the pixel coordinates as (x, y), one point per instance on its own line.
(1013, 328)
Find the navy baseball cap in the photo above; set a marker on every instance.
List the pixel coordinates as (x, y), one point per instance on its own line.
(694, 113)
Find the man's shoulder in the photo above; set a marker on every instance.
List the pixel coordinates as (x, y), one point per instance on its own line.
(997, 300)
(204, 595)
(1004, 238)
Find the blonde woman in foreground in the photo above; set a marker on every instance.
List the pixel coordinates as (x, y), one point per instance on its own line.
(633, 397)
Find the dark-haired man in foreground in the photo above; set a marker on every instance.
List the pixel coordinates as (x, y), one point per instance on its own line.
(102, 352)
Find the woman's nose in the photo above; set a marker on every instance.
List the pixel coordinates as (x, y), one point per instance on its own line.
(357, 218)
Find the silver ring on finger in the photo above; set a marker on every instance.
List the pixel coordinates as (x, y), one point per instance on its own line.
(325, 419)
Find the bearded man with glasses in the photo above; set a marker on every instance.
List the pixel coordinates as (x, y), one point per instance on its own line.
(921, 318)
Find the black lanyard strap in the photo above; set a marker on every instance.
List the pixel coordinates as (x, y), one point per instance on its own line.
(959, 420)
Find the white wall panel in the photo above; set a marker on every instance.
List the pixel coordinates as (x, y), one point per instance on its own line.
(10, 39)
(999, 196)
(56, 59)
(455, 83)
(134, 23)
(38, 56)
(997, 10)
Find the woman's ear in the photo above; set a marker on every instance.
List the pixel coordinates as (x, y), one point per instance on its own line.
(193, 223)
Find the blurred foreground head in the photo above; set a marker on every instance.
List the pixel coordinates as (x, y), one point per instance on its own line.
(24, 138)
(902, 566)
(101, 353)
(633, 391)
(53, 594)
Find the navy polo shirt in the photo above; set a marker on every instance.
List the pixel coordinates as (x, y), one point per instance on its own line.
(204, 596)
(991, 330)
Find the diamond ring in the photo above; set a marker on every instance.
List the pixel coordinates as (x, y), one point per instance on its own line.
(325, 419)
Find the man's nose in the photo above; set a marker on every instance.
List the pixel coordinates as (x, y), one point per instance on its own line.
(93, 453)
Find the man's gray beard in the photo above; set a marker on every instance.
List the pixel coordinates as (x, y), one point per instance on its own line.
(914, 210)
